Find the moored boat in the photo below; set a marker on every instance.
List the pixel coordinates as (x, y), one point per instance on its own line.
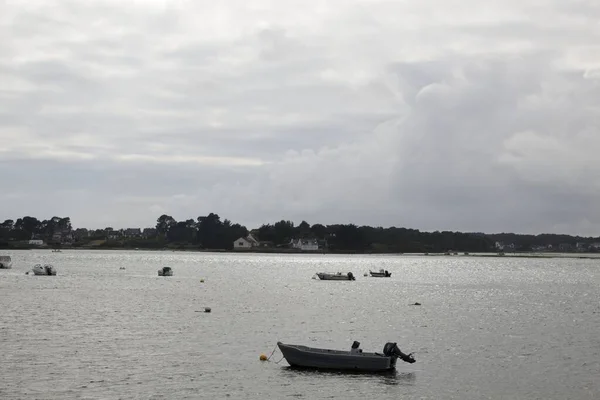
(45, 269)
(338, 276)
(310, 357)
(381, 274)
(5, 262)
(165, 271)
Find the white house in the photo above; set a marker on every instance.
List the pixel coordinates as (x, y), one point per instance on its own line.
(247, 242)
(305, 244)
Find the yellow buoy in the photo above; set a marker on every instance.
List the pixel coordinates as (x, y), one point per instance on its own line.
(263, 357)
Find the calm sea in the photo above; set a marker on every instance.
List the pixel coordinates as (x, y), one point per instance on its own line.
(488, 328)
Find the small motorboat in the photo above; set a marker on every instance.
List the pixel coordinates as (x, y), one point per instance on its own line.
(355, 360)
(45, 269)
(338, 276)
(165, 271)
(381, 274)
(5, 262)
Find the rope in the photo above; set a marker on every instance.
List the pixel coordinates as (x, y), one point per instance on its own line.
(269, 358)
(273, 352)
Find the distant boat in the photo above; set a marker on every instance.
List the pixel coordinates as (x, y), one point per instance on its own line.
(380, 274)
(310, 357)
(56, 250)
(46, 269)
(165, 271)
(5, 262)
(338, 276)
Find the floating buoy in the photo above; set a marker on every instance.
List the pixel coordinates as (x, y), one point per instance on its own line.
(206, 309)
(263, 357)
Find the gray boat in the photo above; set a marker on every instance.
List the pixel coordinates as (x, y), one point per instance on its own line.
(381, 274)
(165, 271)
(338, 276)
(310, 357)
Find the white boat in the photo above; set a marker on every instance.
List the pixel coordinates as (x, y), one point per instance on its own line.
(338, 276)
(165, 271)
(5, 262)
(310, 357)
(381, 274)
(45, 269)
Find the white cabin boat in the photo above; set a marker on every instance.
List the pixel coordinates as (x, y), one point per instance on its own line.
(165, 271)
(45, 269)
(5, 262)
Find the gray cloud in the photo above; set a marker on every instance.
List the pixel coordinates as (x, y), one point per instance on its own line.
(436, 115)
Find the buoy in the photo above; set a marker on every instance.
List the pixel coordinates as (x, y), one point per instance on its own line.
(263, 357)
(206, 309)
(201, 280)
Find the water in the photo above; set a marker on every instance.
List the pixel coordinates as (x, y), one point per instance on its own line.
(497, 328)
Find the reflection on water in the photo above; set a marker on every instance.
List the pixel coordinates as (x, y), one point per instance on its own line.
(392, 377)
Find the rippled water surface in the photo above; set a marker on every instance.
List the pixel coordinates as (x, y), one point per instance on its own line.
(498, 328)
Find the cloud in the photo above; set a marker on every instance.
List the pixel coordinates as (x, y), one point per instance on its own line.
(432, 115)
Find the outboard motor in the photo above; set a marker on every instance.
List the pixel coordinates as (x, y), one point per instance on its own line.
(392, 350)
(351, 276)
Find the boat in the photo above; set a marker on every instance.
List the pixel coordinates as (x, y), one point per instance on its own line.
(45, 269)
(338, 276)
(309, 357)
(5, 262)
(165, 271)
(381, 274)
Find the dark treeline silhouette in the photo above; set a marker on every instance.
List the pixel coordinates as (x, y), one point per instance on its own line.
(210, 232)
(25, 228)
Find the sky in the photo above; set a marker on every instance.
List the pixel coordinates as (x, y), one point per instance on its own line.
(455, 115)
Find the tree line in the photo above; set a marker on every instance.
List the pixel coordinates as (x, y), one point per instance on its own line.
(25, 228)
(211, 232)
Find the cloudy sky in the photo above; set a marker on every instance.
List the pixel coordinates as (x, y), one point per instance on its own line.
(433, 114)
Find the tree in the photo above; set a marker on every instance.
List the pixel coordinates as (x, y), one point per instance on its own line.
(319, 231)
(209, 231)
(8, 224)
(181, 232)
(284, 231)
(164, 223)
(64, 224)
(303, 230)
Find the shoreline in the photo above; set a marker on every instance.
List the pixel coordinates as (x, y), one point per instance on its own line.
(580, 256)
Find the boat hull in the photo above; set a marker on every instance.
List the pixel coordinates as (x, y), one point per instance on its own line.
(308, 357)
(380, 274)
(334, 277)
